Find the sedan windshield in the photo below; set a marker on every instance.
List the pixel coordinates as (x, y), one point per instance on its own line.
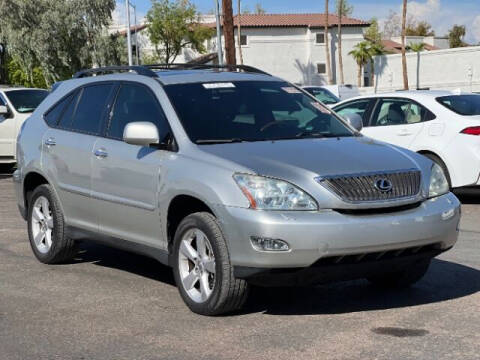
(26, 101)
(323, 95)
(251, 111)
(462, 104)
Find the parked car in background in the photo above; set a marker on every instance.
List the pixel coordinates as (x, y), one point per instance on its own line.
(343, 92)
(442, 125)
(232, 178)
(323, 95)
(16, 104)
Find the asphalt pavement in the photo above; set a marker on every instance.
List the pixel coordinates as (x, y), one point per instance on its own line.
(110, 304)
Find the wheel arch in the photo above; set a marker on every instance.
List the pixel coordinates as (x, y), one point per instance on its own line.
(31, 181)
(180, 206)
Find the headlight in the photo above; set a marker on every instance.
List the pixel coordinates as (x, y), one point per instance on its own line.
(438, 182)
(272, 194)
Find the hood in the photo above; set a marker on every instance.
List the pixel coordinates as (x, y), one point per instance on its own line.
(287, 159)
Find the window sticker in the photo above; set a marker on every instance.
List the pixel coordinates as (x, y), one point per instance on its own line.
(291, 90)
(225, 85)
(320, 107)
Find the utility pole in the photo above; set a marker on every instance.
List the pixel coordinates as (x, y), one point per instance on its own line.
(228, 32)
(129, 35)
(219, 34)
(136, 32)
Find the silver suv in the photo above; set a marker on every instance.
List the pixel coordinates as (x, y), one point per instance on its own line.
(230, 176)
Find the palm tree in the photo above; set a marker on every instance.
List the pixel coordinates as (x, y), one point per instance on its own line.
(375, 49)
(361, 55)
(417, 47)
(327, 47)
(404, 57)
(239, 35)
(343, 9)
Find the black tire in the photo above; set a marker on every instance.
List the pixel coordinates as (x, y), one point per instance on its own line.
(440, 163)
(401, 279)
(229, 293)
(63, 248)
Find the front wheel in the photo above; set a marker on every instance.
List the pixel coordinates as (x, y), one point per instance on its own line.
(403, 278)
(202, 268)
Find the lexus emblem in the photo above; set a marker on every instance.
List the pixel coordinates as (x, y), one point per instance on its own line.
(383, 185)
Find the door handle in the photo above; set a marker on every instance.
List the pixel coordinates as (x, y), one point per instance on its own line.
(101, 153)
(50, 142)
(404, 132)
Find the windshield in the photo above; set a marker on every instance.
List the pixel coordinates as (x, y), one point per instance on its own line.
(26, 101)
(323, 95)
(462, 104)
(251, 111)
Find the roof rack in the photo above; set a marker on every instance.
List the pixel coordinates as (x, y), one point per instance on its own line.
(177, 66)
(140, 70)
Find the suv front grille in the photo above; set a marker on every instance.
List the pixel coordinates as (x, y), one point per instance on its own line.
(364, 187)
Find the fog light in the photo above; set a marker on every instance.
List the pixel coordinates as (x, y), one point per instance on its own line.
(266, 244)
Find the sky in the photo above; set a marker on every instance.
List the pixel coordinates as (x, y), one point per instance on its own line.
(441, 14)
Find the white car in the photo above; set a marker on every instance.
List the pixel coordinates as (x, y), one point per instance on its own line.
(16, 105)
(442, 125)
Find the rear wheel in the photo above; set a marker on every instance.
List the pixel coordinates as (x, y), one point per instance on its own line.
(440, 163)
(403, 278)
(202, 268)
(46, 228)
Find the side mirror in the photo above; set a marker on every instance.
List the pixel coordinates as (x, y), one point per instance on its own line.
(354, 120)
(141, 133)
(3, 110)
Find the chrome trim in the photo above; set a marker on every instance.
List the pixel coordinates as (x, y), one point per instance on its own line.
(360, 187)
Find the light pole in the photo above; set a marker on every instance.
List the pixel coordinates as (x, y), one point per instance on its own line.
(136, 30)
(129, 36)
(219, 35)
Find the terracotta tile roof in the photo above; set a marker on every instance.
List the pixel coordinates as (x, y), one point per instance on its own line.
(430, 47)
(294, 20)
(392, 46)
(133, 29)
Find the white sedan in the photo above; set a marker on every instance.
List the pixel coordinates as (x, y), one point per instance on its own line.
(442, 125)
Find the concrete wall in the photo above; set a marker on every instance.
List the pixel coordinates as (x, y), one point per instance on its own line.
(291, 53)
(447, 69)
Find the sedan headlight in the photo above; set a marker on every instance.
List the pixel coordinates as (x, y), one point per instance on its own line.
(438, 182)
(271, 194)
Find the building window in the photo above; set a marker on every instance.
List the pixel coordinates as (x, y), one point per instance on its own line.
(321, 68)
(320, 39)
(243, 40)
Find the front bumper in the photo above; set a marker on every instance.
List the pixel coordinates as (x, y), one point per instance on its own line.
(327, 233)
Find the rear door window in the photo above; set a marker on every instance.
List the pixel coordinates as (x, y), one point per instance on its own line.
(53, 115)
(91, 108)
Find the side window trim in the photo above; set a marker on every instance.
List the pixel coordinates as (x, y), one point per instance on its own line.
(113, 104)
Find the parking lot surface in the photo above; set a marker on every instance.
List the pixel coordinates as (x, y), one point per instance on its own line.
(110, 304)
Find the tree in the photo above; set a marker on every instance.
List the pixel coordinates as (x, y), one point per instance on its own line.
(361, 55)
(421, 28)
(174, 26)
(228, 32)
(327, 46)
(373, 33)
(456, 35)
(239, 30)
(392, 26)
(404, 57)
(343, 9)
(59, 37)
(417, 47)
(259, 10)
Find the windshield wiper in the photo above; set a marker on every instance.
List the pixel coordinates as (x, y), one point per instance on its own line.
(219, 141)
(304, 134)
